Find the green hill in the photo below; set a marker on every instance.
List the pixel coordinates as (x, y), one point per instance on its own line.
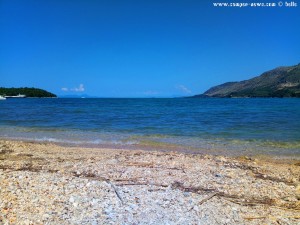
(279, 82)
(29, 92)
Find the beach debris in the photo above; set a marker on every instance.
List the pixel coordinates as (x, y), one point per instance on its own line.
(50, 184)
(116, 191)
(203, 200)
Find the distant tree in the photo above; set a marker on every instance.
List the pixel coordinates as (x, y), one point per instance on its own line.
(29, 92)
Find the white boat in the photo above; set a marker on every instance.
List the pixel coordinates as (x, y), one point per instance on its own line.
(16, 96)
(2, 98)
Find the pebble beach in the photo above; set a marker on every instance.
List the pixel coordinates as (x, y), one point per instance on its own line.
(45, 183)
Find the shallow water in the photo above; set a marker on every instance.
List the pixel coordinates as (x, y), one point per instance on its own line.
(227, 126)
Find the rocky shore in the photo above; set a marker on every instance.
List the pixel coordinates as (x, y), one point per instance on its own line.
(42, 183)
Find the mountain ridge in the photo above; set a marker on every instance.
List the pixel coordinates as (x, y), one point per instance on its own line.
(283, 81)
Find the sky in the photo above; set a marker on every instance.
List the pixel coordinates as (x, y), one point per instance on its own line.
(149, 48)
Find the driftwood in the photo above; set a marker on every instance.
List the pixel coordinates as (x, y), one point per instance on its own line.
(264, 217)
(255, 218)
(143, 183)
(207, 198)
(260, 175)
(182, 187)
(204, 200)
(116, 191)
(152, 165)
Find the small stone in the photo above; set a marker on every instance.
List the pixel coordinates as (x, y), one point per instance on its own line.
(133, 206)
(196, 208)
(294, 180)
(71, 199)
(46, 216)
(94, 202)
(221, 159)
(186, 194)
(298, 192)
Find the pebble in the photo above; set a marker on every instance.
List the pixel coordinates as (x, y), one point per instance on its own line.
(196, 208)
(298, 192)
(71, 199)
(56, 198)
(186, 194)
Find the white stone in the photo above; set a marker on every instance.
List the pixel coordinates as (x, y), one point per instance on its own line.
(71, 199)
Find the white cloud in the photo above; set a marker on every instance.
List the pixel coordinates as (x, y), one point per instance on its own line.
(78, 89)
(184, 89)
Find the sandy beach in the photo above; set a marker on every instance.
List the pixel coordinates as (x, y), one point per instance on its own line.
(43, 183)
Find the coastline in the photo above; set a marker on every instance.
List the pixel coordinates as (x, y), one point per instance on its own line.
(48, 183)
(232, 150)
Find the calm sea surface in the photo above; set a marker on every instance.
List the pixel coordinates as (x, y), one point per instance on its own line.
(218, 126)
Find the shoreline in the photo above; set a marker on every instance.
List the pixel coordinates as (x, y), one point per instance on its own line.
(49, 183)
(168, 147)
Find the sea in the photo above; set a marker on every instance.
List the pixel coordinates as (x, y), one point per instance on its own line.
(227, 126)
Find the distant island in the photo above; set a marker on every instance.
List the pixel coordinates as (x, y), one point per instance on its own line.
(279, 82)
(26, 92)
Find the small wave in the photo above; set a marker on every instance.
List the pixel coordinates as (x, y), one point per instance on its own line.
(97, 142)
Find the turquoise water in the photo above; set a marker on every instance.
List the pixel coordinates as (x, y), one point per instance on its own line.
(227, 126)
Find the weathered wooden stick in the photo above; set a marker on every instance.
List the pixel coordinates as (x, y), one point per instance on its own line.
(206, 199)
(116, 191)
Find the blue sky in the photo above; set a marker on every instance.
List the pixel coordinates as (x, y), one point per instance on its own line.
(145, 48)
